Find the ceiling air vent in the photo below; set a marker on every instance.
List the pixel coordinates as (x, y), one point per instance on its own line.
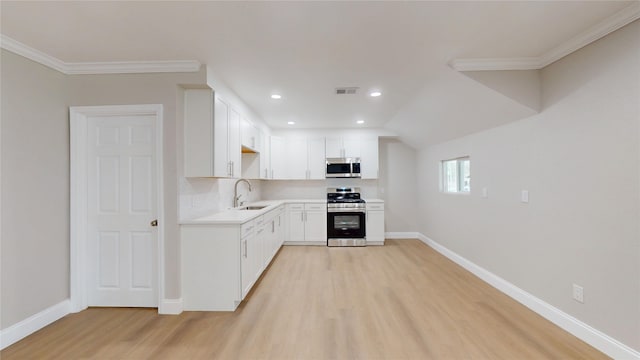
(346, 90)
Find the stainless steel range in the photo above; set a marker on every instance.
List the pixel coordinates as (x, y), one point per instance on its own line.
(346, 217)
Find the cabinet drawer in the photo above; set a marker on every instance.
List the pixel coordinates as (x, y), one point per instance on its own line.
(375, 206)
(315, 206)
(247, 228)
(259, 221)
(295, 206)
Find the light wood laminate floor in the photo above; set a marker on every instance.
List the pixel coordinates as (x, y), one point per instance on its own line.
(398, 301)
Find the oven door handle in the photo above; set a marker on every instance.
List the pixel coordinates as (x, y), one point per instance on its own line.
(345, 210)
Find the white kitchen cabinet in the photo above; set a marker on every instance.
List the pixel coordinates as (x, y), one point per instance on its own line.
(316, 159)
(375, 223)
(305, 158)
(222, 262)
(315, 227)
(265, 151)
(307, 223)
(369, 157)
(342, 147)
(296, 150)
(249, 134)
(280, 225)
(277, 158)
(211, 136)
(211, 267)
(249, 256)
(295, 217)
(234, 148)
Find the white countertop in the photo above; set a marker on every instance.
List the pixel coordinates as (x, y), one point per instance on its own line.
(237, 217)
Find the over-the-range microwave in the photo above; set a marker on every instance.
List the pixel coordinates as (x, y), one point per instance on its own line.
(343, 168)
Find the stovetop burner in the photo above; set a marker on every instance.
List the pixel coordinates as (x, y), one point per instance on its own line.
(344, 195)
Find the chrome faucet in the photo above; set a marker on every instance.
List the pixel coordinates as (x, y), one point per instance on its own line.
(236, 197)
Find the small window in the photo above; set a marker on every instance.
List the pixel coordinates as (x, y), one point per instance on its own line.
(456, 175)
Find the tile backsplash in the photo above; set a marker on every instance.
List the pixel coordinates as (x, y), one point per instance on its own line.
(203, 196)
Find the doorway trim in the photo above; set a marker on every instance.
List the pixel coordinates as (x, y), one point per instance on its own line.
(78, 151)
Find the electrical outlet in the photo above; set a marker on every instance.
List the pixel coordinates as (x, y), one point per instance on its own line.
(578, 293)
(485, 192)
(524, 196)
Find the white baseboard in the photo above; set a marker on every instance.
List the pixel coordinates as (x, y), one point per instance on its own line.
(401, 235)
(170, 307)
(586, 333)
(28, 326)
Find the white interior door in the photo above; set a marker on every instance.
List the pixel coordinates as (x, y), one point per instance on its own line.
(122, 202)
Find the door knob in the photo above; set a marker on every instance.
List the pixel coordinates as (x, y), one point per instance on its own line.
(154, 222)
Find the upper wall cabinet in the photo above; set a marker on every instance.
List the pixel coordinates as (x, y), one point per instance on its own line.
(342, 147)
(277, 161)
(264, 148)
(305, 158)
(211, 136)
(363, 147)
(250, 134)
(369, 157)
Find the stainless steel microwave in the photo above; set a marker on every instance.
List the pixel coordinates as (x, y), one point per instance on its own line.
(343, 168)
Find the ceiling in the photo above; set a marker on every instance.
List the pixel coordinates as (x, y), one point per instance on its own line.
(304, 50)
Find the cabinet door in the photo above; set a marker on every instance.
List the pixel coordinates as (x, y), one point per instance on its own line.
(333, 147)
(351, 147)
(249, 134)
(277, 157)
(375, 226)
(265, 150)
(248, 253)
(296, 225)
(234, 149)
(280, 235)
(221, 165)
(198, 132)
(263, 258)
(315, 227)
(316, 160)
(369, 157)
(296, 150)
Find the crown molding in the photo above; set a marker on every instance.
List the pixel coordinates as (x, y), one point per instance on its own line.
(116, 67)
(30, 53)
(481, 64)
(129, 67)
(596, 32)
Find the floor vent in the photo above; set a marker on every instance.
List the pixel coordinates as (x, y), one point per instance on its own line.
(346, 90)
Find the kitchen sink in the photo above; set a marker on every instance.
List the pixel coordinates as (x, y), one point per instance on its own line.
(258, 207)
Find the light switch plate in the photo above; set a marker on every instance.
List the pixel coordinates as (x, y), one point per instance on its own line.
(485, 192)
(524, 197)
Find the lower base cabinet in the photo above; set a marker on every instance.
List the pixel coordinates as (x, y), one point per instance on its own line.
(221, 263)
(375, 224)
(307, 224)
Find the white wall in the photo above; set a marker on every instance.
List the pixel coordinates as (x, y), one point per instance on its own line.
(35, 189)
(580, 160)
(398, 185)
(35, 174)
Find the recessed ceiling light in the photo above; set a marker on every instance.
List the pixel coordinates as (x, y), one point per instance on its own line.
(291, 122)
(360, 121)
(276, 96)
(375, 93)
